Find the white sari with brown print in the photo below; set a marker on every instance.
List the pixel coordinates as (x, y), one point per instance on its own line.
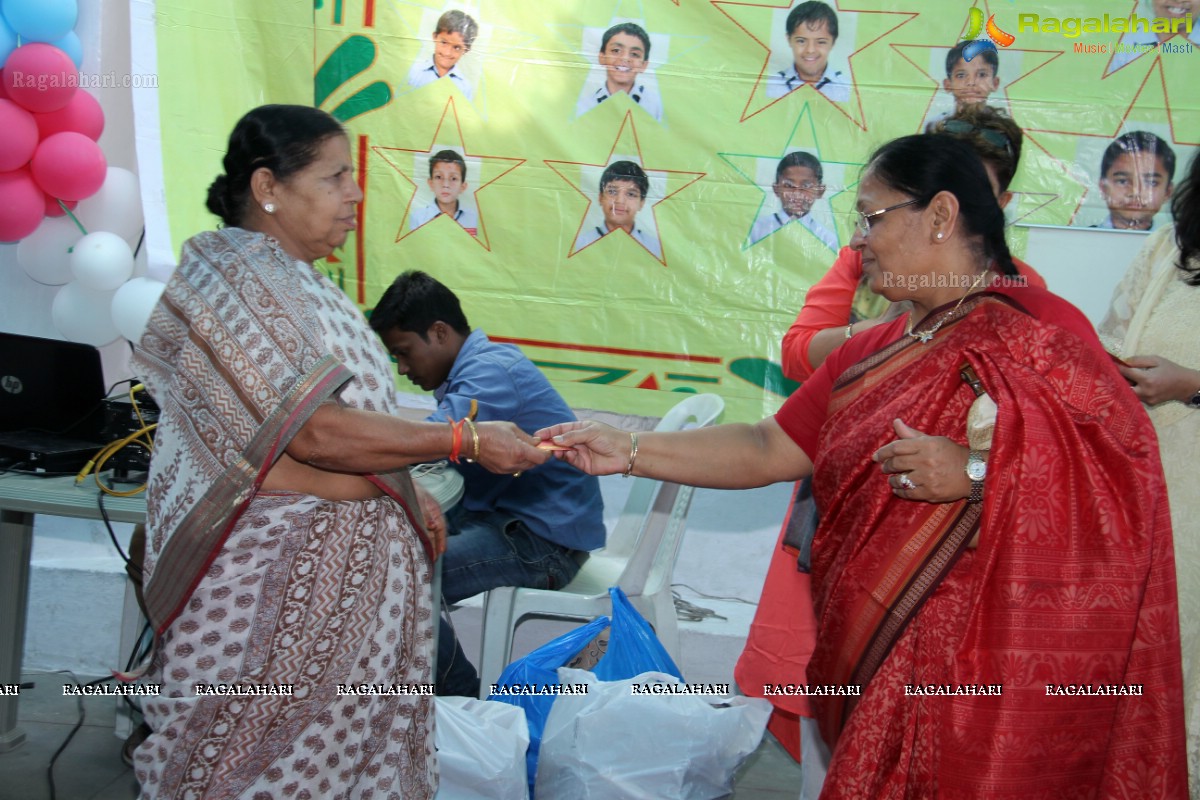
(269, 605)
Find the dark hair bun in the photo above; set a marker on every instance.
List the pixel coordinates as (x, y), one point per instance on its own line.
(219, 202)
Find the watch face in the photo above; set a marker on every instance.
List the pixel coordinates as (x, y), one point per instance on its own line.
(976, 469)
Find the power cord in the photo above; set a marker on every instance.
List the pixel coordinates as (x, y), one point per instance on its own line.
(689, 612)
(78, 724)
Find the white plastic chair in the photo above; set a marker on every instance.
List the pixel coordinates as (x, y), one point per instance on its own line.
(639, 556)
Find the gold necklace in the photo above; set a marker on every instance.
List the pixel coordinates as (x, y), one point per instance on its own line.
(924, 336)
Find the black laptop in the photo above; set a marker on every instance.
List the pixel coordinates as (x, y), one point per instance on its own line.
(50, 403)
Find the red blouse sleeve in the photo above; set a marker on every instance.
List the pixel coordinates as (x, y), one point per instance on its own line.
(827, 305)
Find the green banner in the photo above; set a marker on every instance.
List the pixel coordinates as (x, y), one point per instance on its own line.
(695, 283)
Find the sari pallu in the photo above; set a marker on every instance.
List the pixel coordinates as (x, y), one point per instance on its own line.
(1072, 582)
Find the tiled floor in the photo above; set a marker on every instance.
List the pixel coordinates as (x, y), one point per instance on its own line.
(91, 769)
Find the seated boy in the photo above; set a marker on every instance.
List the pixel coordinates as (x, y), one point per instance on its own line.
(1136, 177)
(448, 180)
(812, 31)
(624, 54)
(971, 82)
(797, 185)
(507, 530)
(623, 189)
(452, 38)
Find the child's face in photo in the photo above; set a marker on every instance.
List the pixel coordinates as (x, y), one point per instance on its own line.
(447, 183)
(621, 202)
(448, 48)
(971, 83)
(624, 58)
(797, 190)
(1176, 9)
(811, 44)
(1136, 187)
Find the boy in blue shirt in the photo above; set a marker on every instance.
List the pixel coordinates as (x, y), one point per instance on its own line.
(624, 54)
(507, 530)
(447, 180)
(623, 189)
(798, 185)
(452, 39)
(812, 31)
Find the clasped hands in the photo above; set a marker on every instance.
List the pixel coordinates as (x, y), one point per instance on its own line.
(934, 466)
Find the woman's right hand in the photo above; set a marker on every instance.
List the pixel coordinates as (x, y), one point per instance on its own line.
(596, 448)
(505, 448)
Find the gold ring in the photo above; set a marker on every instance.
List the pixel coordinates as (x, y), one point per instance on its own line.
(517, 474)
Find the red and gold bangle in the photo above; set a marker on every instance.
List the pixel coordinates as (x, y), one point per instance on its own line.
(456, 429)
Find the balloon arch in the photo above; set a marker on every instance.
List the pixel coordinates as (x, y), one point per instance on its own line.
(77, 221)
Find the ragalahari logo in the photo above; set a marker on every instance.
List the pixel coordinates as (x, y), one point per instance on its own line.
(995, 36)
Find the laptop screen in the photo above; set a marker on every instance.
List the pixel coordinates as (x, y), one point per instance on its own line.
(47, 384)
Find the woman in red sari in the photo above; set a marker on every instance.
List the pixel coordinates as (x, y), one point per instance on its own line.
(1006, 628)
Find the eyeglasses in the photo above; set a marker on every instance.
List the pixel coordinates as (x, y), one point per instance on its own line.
(863, 221)
(993, 137)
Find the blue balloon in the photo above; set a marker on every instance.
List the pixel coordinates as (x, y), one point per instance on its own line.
(8, 40)
(40, 20)
(71, 45)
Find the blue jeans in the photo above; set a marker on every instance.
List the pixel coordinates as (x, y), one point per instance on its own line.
(486, 549)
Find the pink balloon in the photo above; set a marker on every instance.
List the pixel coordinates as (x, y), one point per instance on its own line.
(18, 139)
(69, 165)
(53, 209)
(40, 77)
(3, 91)
(21, 205)
(81, 114)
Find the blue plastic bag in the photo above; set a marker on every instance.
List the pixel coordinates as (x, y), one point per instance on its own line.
(632, 649)
(632, 646)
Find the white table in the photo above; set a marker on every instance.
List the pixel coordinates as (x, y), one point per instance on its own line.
(23, 496)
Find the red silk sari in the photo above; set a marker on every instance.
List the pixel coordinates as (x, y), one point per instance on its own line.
(1072, 583)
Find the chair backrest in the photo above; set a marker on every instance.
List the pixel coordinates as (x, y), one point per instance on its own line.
(650, 528)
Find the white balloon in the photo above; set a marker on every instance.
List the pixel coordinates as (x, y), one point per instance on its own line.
(45, 254)
(83, 315)
(102, 261)
(116, 207)
(132, 305)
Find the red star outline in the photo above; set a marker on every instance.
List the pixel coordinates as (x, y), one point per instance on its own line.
(627, 121)
(382, 151)
(859, 121)
(1157, 50)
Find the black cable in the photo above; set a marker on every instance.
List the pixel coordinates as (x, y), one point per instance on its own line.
(74, 730)
(113, 535)
(138, 249)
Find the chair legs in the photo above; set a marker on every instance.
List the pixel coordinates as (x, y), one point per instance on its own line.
(497, 636)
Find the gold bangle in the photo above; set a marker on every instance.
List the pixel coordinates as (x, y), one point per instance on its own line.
(474, 437)
(633, 442)
(849, 330)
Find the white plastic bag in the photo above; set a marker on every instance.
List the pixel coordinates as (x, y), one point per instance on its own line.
(612, 743)
(481, 750)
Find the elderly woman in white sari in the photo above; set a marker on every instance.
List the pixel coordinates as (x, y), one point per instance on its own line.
(288, 555)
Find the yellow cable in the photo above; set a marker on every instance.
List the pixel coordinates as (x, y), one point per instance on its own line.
(96, 465)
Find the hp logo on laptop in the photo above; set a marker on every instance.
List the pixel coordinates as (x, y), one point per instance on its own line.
(12, 384)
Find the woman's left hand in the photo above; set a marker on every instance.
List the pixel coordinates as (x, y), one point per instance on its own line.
(435, 522)
(927, 468)
(1157, 380)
